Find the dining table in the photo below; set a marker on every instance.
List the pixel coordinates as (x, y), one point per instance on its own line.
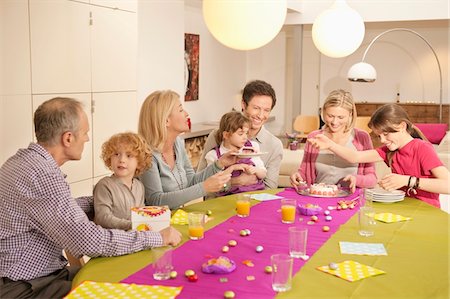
(416, 264)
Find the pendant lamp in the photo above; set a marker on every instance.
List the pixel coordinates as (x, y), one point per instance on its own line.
(338, 31)
(244, 24)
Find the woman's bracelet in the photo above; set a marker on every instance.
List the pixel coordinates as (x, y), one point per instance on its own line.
(409, 182)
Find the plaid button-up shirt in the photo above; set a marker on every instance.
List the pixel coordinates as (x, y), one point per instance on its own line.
(39, 217)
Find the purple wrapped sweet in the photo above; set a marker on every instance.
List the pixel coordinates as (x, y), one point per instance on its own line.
(309, 209)
(220, 265)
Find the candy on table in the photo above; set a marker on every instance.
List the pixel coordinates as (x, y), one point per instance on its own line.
(229, 295)
(333, 266)
(189, 273)
(259, 248)
(173, 274)
(325, 228)
(219, 265)
(309, 209)
(232, 243)
(346, 204)
(268, 269)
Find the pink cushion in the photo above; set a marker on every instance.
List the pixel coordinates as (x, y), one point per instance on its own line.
(433, 132)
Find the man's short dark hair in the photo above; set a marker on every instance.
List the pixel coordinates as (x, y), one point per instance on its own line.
(258, 88)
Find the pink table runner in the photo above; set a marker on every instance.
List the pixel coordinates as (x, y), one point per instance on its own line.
(266, 229)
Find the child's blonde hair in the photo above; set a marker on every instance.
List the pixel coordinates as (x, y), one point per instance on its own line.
(231, 122)
(131, 143)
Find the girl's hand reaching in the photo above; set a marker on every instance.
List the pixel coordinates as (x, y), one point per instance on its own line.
(321, 141)
(393, 181)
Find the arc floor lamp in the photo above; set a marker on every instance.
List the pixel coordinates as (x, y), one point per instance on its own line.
(365, 72)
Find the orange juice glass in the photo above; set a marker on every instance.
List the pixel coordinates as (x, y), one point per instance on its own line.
(243, 205)
(196, 223)
(196, 232)
(288, 209)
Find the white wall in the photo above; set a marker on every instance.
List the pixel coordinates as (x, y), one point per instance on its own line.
(403, 61)
(268, 63)
(160, 47)
(222, 72)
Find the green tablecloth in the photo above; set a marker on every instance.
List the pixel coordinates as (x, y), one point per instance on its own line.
(417, 265)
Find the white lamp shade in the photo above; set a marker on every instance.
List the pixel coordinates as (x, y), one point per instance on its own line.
(362, 72)
(338, 31)
(244, 24)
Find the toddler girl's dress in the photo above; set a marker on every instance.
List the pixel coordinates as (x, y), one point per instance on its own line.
(238, 189)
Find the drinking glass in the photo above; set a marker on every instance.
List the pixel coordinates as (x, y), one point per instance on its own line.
(288, 208)
(196, 223)
(281, 272)
(298, 238)
(243, 205)
(162, 266)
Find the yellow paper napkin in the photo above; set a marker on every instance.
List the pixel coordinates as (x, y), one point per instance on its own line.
(92, 289)
(351, 271)
(180, 217)
(389, 217)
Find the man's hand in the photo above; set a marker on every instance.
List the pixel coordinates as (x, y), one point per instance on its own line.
(170, 236)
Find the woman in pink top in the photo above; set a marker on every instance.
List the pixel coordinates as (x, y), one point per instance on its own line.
(339, 115)
(415, 165)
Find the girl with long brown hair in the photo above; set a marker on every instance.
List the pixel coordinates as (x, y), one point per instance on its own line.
(415, 165)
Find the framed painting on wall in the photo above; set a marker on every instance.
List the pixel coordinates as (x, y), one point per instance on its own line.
(191, 66)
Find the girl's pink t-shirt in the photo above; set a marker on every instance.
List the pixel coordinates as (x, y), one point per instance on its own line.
(417, 158)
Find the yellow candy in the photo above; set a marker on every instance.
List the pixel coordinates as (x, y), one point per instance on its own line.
(173, 274)
(189, 273)
(229, 295)
(232, 243)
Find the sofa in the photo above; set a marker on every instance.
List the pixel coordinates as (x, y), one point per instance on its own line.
(292, 159)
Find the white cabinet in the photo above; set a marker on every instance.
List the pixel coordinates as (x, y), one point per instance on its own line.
(15, 82)
(77, 47)
(113, 113)
(60, 51)
(16, 126)
(81, 49)
(14, 48)
(114, 52)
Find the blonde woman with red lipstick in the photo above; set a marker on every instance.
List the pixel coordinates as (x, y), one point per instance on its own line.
(171, 180)
(415, 166)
